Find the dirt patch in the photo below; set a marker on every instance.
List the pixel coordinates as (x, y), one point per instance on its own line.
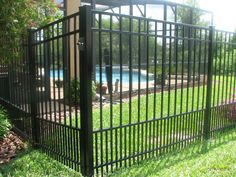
(9, 146)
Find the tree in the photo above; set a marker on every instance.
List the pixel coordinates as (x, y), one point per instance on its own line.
(191, 16)
(234, 40)
(16, 16)
(125, 46)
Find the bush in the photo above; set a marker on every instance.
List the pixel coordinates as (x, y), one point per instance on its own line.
(221, 67)
(74, 91)
(5, 124)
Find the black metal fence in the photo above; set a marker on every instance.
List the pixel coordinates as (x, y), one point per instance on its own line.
(100, 91)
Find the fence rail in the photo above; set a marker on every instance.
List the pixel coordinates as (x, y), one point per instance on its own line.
(100, 91)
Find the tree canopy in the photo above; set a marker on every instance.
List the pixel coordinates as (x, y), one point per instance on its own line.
(16, 16)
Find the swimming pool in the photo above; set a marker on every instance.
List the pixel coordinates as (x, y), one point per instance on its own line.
(55, 74)
(116, 74)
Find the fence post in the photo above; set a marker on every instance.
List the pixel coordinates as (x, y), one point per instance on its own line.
(86, 66)
(32, 73)
(207, 116)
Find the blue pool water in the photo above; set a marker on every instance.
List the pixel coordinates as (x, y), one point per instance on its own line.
(116, 74)
(55, 74)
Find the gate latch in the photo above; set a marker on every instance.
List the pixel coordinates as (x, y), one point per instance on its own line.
(81, 44)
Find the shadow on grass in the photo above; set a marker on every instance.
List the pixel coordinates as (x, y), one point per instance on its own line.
(166, 161)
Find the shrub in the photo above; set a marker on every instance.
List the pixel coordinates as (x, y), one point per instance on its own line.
(5, 124)
(74, 91)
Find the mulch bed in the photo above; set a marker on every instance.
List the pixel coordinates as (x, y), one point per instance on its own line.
(9, 146)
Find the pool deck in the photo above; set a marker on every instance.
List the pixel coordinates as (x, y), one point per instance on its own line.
(58, 93)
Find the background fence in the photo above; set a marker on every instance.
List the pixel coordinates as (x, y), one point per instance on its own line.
(159, 86)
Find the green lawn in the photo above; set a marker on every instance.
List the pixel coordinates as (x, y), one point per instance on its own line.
(161, 105)
(168, 103)
(34, 163)
(213, 158)
(110, 146)
(150, 136)
(159, 133)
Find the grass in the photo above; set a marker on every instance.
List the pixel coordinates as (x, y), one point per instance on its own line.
(210, 158)
(36, 164)
(215, 157)
(160, 105)
(120, 143)
(134, 140)
(126, 142)
(146, 108)
(137, 139)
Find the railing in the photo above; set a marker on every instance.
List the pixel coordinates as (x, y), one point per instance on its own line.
(160, 86)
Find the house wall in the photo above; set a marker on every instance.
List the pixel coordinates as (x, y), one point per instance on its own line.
(72, 7)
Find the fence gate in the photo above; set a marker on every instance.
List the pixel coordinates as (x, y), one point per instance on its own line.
(61, 56)
(55, 83)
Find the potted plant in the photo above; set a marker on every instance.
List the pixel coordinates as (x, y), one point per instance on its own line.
(159, 75)
(102, 87)
(158, 79)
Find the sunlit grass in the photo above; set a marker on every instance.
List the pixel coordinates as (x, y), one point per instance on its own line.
(209, 158)
(168, 103)
(120, 143)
